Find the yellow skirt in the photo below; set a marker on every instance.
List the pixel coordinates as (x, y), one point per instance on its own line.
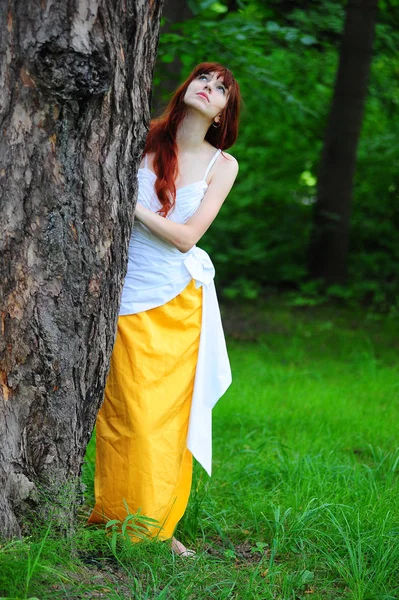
(141, 431)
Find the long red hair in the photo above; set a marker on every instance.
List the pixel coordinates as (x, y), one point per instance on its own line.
(161, 139)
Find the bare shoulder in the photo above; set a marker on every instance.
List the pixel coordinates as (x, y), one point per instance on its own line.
(227, 166)
(229, 159)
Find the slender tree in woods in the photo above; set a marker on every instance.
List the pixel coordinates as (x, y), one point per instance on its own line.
(175, 11)
(75, 82)
(330, 239)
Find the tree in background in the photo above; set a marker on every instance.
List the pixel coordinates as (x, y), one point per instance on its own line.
(174, 12)
(74, 98)
(330, 237)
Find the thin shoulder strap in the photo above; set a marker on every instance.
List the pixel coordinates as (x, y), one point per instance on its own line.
(212, 162)
(145, 161)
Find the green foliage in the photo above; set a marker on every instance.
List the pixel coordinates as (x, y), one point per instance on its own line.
(286, 61)
(33, 561)
(134, 525)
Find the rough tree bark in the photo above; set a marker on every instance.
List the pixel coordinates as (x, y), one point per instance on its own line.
(329, 246)
(75, 82)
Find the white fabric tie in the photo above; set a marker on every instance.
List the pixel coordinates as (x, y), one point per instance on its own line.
(213, 373)
(200, 266)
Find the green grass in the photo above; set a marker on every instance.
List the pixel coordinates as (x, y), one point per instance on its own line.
(303, 502)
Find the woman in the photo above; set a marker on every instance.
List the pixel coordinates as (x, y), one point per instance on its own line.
(169, 365)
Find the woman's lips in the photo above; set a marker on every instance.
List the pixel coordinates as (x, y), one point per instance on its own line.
(203, 95)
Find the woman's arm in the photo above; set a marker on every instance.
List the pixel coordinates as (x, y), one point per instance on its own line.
(185, 235)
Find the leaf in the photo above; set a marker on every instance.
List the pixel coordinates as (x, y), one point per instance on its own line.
(219, 8)
(113, 542)
(308, 40)
(112, 523)
(291, 35)
(307, 576)
(272, 27)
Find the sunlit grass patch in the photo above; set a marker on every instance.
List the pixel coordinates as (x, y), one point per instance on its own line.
(307, 460)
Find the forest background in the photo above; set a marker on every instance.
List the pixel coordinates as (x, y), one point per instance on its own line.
(285, 56)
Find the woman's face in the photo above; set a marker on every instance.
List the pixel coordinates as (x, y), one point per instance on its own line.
(207, 94)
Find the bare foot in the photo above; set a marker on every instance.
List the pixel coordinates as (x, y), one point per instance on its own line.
(179, 549)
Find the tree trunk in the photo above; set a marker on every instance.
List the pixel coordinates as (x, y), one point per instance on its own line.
(330, 238)
(175, 11)
(75, 82)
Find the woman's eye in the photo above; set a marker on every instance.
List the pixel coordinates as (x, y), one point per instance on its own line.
(223, 89)
(203, 77)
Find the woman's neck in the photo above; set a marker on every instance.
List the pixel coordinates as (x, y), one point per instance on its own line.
(191, 132)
